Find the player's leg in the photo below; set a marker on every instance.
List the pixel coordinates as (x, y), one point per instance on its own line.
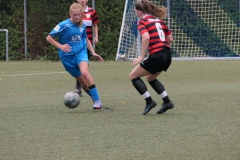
(73, 69)
(83, 84)
(159, 88)
(140, 86)
(78, 88)
(91, 85)
(164, 61)
(83, 64)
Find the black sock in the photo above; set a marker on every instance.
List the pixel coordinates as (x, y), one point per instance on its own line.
(139, 85)
(148, 100)
(141, 88)
(159, 88)
(92, 86)
(166, 99)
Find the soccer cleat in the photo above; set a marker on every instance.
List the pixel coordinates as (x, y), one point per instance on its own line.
(165, 107)
(97, 105)
(149, 107)
(79, 92)
(78, 89)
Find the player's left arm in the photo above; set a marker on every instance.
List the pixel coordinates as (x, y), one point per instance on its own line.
(169, 38)
(168, 35)
(90, 47)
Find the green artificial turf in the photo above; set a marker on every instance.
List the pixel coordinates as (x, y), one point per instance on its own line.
(204, 125)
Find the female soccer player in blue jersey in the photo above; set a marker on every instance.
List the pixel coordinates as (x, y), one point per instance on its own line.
(156, 38)
(72, 47)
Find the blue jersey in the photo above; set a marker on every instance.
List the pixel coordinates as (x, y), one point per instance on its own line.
(71, 34)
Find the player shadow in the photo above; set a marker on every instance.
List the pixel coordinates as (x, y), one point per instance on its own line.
(76, 110)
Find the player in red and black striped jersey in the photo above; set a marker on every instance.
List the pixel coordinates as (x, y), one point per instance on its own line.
(90, 19)
(157, 31)
(156, 39)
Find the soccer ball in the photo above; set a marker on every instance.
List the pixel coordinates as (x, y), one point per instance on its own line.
(122, 57)
(71, 100)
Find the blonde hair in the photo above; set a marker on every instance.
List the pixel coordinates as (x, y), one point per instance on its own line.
(77, 6)
(148, 8)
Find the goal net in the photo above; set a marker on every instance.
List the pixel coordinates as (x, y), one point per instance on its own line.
(201, 29)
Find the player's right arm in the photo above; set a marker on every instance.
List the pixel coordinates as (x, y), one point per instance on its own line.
(145, 42)
(64, 47)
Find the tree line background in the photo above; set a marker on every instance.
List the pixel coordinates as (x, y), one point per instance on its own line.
(43, 16)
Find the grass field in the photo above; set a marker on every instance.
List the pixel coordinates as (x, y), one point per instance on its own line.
(204, 125)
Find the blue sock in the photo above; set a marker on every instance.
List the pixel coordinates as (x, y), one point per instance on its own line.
(94, 94)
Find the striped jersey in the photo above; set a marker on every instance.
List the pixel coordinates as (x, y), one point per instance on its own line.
(90, 18)
(157, 31)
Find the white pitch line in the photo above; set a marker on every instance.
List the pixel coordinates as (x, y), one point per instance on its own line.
(31, 74)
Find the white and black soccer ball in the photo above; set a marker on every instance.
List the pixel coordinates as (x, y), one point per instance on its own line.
(71, 100)
(122, 57)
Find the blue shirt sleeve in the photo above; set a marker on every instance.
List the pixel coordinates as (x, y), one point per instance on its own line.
(57, 30)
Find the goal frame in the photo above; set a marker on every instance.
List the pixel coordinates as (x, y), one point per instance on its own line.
(124, 56)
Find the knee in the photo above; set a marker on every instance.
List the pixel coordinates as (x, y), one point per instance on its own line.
(84, 74)
(148, 79)
(132, 76)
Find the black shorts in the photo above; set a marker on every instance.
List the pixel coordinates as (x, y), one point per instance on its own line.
(158, 62)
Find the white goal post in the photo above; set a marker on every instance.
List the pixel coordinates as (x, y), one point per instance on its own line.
(202, 29)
